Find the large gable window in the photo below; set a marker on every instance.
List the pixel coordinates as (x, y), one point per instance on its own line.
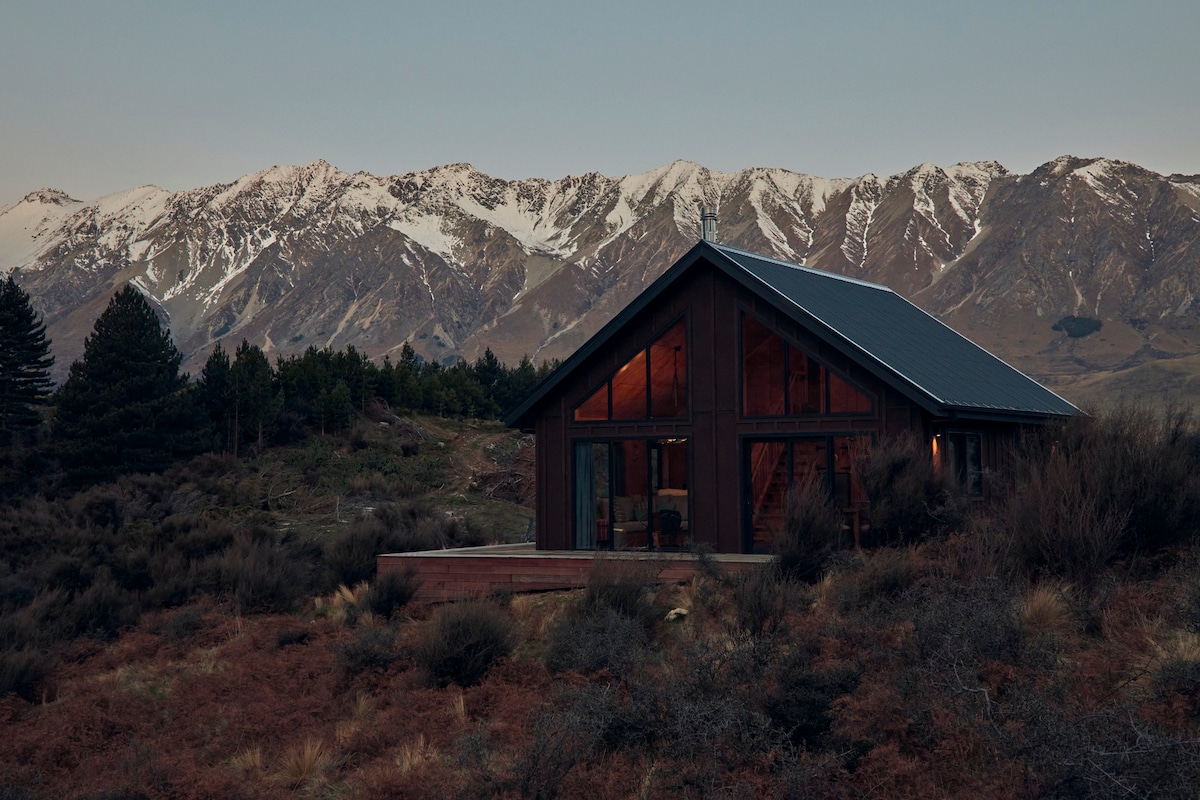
(651, 385)
(779, 379)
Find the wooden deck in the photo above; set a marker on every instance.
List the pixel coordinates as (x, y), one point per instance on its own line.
(477, 571)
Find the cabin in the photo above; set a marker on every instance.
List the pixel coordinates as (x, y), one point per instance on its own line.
(731, 377)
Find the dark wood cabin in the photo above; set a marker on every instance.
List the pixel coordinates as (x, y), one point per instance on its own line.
(685, 419)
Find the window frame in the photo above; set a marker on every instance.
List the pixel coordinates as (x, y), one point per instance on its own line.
(965, 467)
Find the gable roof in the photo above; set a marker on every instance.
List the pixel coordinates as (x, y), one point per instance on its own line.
(937, 367)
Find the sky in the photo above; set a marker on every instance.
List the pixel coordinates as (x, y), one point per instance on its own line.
(97, 98)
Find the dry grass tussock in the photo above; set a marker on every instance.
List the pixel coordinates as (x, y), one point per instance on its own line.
(458, 705)
(304, 764)
(1046, 611)
(414, 754)
(361, 719)
(1178, 647)
(346, 607)
(248, 764)
(534, 615)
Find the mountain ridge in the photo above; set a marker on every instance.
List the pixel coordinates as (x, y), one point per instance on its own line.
(454, 260)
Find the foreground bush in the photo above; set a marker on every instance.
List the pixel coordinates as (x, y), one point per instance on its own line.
(601, 640)
(403, 528)
(812, 530)
(463, 641)
(622, 586)
(1121, 482)
(22, 672)
(393, 591)
(371, 648)
(908, 499)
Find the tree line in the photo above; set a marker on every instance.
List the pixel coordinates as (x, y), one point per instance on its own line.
(126, 406)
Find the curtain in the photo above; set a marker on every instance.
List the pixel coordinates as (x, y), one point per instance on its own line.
(585, 498)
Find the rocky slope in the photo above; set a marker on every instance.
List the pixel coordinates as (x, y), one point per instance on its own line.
(456, 261)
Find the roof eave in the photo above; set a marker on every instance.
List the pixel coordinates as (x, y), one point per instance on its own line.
(1007, 415)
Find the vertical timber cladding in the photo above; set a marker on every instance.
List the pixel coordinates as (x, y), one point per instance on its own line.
(552, 523)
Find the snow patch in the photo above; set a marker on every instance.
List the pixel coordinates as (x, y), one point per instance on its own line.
(426, 230)
(864, 200)
(29, 226)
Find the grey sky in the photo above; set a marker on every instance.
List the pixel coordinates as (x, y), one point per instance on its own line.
(100, 97)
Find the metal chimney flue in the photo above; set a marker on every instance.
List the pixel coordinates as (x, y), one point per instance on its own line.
(708, 223)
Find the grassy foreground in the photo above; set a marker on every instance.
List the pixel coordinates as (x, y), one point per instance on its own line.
(217, 632)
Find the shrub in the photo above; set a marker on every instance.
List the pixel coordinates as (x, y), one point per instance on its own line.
(22, 672)
(392, 591)
(799, 699)
(1121, 481)
(812, 529)
(459, 532)
(1059, 527)
(104, 608)
(427, 533)
(761, 600)
(872, 578)
(560, 741)
(390, 529)
(370, 486)
(908, 500)
(462, 642)
(184, 624)
(49, 617)
(259, 572)
(371, 648)
(966, 623)
(350, 558)
(194, 537)
(603, 639)
(622, 585)
(291, 636)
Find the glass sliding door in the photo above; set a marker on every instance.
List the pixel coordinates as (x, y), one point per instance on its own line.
(631, 494)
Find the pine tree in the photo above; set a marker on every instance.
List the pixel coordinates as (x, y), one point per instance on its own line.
(25, 363)
(125, 407)
(215, 392)
(254, 391)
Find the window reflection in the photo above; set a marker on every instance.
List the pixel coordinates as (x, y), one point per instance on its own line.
(779, 379)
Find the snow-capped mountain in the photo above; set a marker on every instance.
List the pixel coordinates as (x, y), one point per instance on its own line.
(454, 260)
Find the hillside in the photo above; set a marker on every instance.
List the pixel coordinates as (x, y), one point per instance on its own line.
(185, 635)
(456, 261)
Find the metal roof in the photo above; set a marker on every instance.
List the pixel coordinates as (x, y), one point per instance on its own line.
(937, 367)
(890, 332)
